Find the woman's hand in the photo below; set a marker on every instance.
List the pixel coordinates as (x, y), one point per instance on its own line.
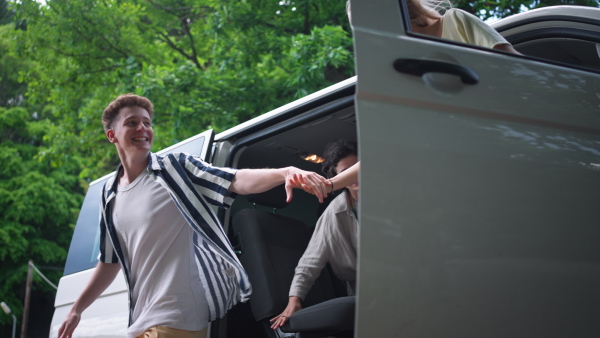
(294, 304)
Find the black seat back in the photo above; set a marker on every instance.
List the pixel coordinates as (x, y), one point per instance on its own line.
(271, 247)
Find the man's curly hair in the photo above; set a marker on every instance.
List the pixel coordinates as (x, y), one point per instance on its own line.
(334, 152)
(127, 100)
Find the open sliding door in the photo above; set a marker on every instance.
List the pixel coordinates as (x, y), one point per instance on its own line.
(480, 188)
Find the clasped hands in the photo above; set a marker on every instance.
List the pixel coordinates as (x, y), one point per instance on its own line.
(308, 181)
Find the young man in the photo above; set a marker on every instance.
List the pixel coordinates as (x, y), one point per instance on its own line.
(156, 222)
(334, 240)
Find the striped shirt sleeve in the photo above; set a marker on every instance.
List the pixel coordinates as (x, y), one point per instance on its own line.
(211, 182)
(107, 253)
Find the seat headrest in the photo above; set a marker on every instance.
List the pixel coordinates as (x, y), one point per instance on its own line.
(274, 198)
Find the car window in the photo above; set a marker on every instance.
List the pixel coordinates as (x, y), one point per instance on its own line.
(86, 238)
(438, 19)
(570, 40)
(565, 35)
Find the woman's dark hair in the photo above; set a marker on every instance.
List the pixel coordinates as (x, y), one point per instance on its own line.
(334, 152)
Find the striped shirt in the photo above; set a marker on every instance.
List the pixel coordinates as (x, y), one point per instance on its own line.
(193, 185)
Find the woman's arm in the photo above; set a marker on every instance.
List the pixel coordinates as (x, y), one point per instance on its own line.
(345, 178)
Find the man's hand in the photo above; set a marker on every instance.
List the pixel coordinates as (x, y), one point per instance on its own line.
(103, 276)
(294, 304)
(308, 181)
(69, 325)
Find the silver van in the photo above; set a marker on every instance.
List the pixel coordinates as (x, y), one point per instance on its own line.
(480, 200)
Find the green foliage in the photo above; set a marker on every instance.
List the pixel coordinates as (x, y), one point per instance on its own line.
(6, 14)
(204, 64)
(39, 204)
(12, 91)
(314, 56)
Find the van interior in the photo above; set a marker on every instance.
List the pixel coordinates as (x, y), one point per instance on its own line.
(271, 235)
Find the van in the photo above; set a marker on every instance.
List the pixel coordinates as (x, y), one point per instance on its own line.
(479, 203)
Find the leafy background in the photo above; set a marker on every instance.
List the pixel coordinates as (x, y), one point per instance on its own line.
(204, 64)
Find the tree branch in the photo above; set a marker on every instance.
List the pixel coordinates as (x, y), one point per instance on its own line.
(306, 17)
(186, 29)
(179, 50)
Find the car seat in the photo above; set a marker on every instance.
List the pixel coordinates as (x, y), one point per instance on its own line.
(271, 246)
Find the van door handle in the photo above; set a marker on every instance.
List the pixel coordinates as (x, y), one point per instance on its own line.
(421, 67)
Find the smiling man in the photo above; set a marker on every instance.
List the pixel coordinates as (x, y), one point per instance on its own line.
(157, 223)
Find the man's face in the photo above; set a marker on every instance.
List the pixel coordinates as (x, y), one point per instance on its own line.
(344, 164)
(132, 131)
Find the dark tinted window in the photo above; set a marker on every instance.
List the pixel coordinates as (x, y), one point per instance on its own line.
(83, 253)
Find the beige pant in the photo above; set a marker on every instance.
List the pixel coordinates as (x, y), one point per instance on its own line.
(165, 332)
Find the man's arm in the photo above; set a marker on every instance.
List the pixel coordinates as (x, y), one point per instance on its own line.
(253, 181)
(103, 276)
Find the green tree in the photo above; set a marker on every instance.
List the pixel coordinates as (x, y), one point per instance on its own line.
(39, 203)
(205, 64)
(6, 15)
(12, 92)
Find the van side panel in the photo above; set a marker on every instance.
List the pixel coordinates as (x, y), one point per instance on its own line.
(107, 317)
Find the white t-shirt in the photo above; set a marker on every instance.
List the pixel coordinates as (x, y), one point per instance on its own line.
(461, 26)
(157, 245)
